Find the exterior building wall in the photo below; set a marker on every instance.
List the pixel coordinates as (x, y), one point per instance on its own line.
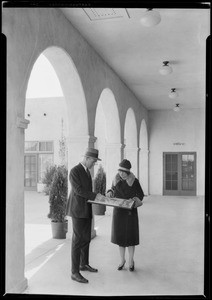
(166, 130)
(49, 127)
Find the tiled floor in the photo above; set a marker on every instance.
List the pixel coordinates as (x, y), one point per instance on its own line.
(168, 261)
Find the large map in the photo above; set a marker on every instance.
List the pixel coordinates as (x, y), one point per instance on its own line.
(116, 202)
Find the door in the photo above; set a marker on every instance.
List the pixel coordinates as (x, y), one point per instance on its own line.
(179, 175)
(30, 172)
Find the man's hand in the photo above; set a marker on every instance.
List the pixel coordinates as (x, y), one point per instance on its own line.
(98, 197)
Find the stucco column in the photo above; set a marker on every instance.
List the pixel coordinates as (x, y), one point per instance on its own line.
(143, 170)
(113, 158)
(131, 153)
(15, 252)
(76, 149)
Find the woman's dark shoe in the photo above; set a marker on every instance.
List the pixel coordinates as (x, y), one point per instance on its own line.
(132, 267)
(120, 267)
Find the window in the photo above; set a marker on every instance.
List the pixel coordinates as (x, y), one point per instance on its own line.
(46, 146)
(36, 146)
(31, 146)
(43, 152)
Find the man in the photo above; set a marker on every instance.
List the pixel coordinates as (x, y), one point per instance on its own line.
(81, 213)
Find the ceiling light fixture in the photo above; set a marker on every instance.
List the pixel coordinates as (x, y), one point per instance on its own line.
(173, 94)
(177, 107)
(150, 18)
(165, 69)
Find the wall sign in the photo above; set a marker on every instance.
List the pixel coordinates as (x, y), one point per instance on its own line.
(178, 144)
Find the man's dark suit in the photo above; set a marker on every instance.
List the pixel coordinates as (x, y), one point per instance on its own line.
(81, 213)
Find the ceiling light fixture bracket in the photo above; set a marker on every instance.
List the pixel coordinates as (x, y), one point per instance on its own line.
(150, 18)
(173, 93)
(177, 107)
(165, 69)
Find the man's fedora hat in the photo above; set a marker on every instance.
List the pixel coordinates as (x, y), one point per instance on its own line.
(91, 152)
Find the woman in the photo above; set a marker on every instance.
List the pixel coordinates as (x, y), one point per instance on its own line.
(125, 227)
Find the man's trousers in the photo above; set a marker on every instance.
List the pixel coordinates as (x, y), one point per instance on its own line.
(80, 243)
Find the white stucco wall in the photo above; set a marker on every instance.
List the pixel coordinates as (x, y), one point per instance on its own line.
(49, 127)
(167, 128)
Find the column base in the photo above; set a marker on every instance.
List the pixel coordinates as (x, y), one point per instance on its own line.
(20, 288)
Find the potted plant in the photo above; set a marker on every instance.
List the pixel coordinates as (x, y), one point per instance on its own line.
(48, 177)
(58, 194)
(99, 187)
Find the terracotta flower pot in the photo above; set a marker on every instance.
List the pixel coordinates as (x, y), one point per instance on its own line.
(99, 209)
(59, 229)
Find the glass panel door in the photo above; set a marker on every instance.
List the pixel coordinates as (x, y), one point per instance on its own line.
(171, 173)
(179, 171)
(188, 172)
(30, 171)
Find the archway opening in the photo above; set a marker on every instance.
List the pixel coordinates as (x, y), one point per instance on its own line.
(107, 131)
(45, 108)
(130, 141)
(144, 158)
(59, 114)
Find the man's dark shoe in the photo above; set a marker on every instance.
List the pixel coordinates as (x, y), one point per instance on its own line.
(78, 277)
(88, 268)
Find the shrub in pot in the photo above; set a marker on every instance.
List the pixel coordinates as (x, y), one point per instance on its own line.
(99, 187)
(58, 194)
(48, 177)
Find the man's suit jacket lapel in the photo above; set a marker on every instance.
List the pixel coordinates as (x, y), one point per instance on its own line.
(85, 175)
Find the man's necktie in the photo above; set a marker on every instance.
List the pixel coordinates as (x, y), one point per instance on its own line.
(88, 172)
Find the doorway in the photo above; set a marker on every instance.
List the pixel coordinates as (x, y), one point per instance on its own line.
(30, 172)
(179, 173)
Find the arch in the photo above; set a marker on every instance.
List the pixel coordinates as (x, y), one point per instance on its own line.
(45, 107)
(130, 140)
(72, 90)
(78, 138)
(107, 131)
(144, 158)
(77, 127)
(77, 120)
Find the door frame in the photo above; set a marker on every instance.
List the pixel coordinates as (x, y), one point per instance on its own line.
(179, 191)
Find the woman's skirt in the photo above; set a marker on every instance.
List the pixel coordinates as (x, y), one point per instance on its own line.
(125, 227)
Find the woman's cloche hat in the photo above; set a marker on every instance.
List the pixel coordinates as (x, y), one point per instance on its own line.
(125, 165)
(91, 152)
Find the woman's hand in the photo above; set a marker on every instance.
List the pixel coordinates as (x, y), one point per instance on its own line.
(128, 201)
(109, 194)
(138, 202)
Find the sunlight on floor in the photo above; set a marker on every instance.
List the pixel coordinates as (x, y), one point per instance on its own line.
(36, 234)
(34, 270)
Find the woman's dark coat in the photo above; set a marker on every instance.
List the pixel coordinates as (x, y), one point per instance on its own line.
(125, 227)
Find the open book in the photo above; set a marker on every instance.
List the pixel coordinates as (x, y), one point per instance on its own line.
(116, 202)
